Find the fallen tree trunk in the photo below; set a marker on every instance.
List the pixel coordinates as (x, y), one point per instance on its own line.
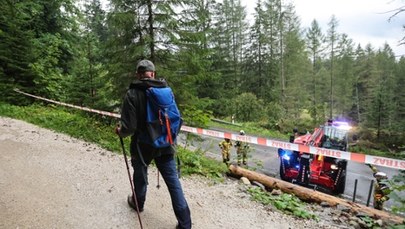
(310, 195)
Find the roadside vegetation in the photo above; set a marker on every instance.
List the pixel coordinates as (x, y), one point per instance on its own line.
(285, 202)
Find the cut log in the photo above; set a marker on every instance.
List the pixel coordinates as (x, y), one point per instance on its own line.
(310, 195)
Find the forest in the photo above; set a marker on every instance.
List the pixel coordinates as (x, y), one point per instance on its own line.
(268, 71)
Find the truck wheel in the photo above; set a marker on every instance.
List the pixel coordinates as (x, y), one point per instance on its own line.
(282, 174)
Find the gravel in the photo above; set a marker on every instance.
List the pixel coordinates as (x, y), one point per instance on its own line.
(51, 180)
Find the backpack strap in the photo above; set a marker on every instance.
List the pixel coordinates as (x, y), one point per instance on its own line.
(168, 126)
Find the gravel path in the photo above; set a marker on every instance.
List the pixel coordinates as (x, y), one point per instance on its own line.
(50, 180)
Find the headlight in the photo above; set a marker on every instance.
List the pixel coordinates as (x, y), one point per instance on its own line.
(334, 167)
(285, 154)
(286, 157)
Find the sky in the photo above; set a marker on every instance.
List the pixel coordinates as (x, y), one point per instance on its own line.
(364, 21)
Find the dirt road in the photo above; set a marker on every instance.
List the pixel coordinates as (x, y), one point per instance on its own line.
(50, 180)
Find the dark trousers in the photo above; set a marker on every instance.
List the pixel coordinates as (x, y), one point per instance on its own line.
(167, 167)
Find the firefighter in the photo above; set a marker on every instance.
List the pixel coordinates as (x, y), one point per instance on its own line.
(242, 149)
(295, 131)
(225, 146)
(381, 188)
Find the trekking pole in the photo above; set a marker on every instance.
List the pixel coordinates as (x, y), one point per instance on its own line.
(130, 181)
(158, 185)
(178, 167)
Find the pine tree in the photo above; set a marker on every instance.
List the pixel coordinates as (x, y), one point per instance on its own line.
(344, 79)
(229, 33)
(399, 98)
(315, 40)
(332, 39)
(86, 83)
(381, 115)
(194, 57)
(256, 63)
(15, 49)
(294, 65)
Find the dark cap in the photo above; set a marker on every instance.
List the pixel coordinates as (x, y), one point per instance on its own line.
(145, 66)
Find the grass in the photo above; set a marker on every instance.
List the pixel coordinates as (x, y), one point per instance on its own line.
(286, 203)
(74, 123)
(379, 153)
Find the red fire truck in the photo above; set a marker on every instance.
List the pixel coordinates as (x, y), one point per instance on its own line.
(317, 171)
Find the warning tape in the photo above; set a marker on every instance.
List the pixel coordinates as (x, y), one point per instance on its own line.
(350, 156)
(106, 113)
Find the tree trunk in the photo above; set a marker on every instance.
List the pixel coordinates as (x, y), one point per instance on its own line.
(310, 195)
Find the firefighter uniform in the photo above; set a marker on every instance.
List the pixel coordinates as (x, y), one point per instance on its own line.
(225, 146)
(242, 149)
(381, 188)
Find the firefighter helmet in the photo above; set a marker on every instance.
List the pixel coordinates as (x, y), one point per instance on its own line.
(380, 175)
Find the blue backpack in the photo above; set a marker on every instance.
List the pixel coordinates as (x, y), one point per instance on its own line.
(163, 119)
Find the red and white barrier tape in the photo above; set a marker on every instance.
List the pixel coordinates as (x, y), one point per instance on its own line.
(357, 157)
(106, 113)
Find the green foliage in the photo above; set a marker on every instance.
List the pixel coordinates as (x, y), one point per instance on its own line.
(369, 222)
(285, 202)
(223, 107)
(229, 35)
(76, 124)
(35, 47)
(120, 52)
(197, 163)
(16, 49)
(388, 144)
(248, 107)
(366, 147)
(195, 117)
(274, 113)
(398, 185)
(399, 226)
(49, 75)
(88, 84)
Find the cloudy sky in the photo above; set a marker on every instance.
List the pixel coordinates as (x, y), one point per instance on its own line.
(364, 21)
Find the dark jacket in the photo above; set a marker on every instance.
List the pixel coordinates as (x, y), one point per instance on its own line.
(133, 116)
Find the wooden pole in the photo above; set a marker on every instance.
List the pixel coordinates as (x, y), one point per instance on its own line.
(310, 195)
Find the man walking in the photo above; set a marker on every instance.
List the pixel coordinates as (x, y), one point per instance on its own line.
(133, 123)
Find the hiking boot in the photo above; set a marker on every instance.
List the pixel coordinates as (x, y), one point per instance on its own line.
(131, 203)
(178, 226)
